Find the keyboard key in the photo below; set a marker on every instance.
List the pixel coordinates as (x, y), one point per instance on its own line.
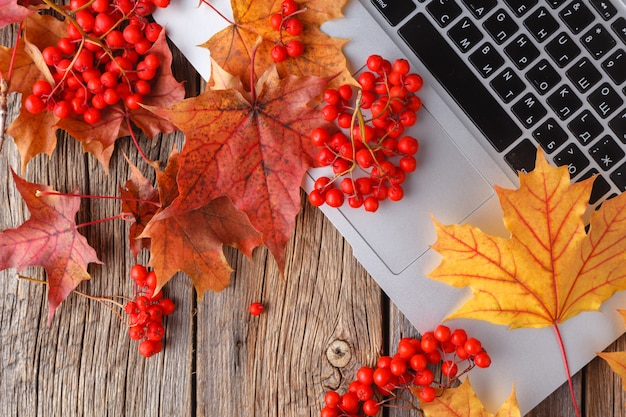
(520, 7)
(619, 26)
(465, 34)
(529, 110)
(562, 49)
(486, 60)
(550, 135)
(466, 89)
(522, 157)
(576, 16)
(397, 12)
(521, 51)
(619, 177)
(615, 66)
(443, 11)
(604, 8)
(480, 8)
(564, 102)
(600, 185)
(508, 85)
(543, 76)
(500, 26)
(606, 152)
(585, 127)
(541, 24)
(598, 41)
(584, 75)
(618, 125)
(605, 100)
(573, 158)
(555, 4)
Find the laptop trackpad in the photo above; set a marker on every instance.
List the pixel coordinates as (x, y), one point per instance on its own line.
(445, 184)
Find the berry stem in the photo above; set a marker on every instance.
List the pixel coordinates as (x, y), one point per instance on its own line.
(220, 14)
(135, 141)
(102, 300)
(123, 216)
(566, 366)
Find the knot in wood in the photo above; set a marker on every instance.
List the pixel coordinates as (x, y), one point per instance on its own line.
(338, 353)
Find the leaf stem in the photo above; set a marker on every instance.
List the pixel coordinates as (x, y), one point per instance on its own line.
(566, 366)
(220, 14)
(135, 141)
(123, 216)
(4, 86)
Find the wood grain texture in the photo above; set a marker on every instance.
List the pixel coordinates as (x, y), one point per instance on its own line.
(324, 318)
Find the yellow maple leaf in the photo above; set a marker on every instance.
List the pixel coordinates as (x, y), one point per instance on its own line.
(551, 268)
(463, 402)
(617, 360)
(322, 56)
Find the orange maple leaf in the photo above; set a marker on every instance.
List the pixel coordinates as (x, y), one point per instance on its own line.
(254, 149)
(49, 239)
(193, 241)
(322, 56)
(617, 360)
(550, 269)
(463, 402)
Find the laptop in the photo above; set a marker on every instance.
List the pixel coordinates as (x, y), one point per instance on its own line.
(500, 79)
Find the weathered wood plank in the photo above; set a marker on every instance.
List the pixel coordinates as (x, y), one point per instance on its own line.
(322, 322)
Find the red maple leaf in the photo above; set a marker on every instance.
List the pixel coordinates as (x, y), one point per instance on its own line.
(13, 12)
(254, 149)
(50, 239)
(139, 199)
(193, 241)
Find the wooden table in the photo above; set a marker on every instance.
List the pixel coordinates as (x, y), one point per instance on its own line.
(325, 320)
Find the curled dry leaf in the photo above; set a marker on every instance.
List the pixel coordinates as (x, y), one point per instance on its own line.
(617, 360)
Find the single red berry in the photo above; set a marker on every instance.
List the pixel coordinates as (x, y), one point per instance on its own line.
(334, 197)
(427, 394)
(256, 308)
(449, 369)
(92, 115)
(148, 348)
(34, 104)
(349, 403)
(458, 337)
(294, 48)
(138, 273)
(167, 305)
(278, 53)
(289, 7)
(329, 412)
(370, 407)
(472, 346)
(155, 331)
(442, 333)
(482, 359)
(276, 21)
(136, 332)
(294, 26)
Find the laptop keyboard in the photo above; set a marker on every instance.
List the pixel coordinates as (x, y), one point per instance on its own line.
(530, 73)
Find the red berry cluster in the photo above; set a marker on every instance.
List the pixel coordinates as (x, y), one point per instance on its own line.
(287, 21)
(103, 60)
(377, 145)
(409, 371)
(146, 312)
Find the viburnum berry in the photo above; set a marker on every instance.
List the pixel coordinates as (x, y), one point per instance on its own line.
(408, 378)
(279, 53)
(256, 308)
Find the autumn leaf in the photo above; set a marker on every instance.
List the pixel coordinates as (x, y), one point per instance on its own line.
(322, 56)
(550, 269)
(463, 402)
(13, 12)
(617, 360)
(141, 200)
(50, 239)
(193, 241)
(34, 134)
(255, 150)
